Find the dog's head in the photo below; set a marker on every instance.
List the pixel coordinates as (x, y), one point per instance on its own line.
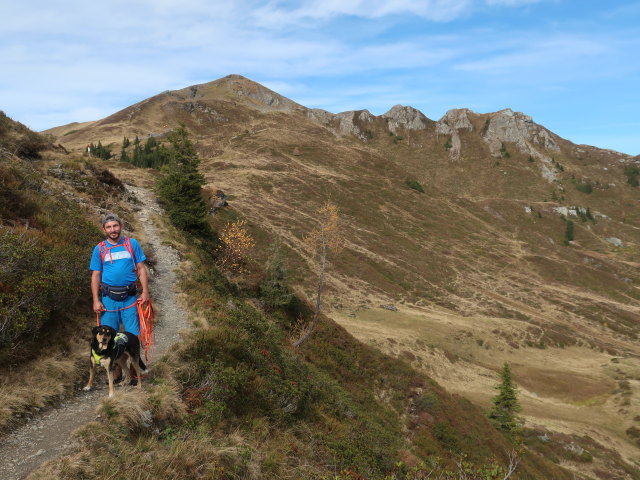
(104, 336)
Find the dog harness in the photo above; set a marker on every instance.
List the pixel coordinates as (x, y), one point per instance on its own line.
(120, 343)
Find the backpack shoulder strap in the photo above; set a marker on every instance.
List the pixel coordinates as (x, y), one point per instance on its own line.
(126, 241)
(102, 246)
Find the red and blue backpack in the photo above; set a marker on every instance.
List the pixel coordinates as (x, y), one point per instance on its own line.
(126, 243)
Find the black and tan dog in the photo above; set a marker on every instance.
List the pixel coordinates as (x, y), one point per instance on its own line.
(109, 349)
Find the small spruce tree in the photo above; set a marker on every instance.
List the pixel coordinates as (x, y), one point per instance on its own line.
(274, 290)
(503, 414)
(180, 188)
(568, 234)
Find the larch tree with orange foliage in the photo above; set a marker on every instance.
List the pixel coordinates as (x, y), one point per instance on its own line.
(236, 243)
(325, 239)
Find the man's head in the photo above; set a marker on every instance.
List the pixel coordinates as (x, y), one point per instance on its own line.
(112, 226)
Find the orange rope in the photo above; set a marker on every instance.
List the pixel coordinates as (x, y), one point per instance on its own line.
(116, 310)
(146, 317)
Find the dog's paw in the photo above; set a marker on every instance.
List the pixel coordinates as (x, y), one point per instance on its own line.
(111, 394)
(87, 388)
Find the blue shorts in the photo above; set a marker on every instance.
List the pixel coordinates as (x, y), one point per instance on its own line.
(128, 317)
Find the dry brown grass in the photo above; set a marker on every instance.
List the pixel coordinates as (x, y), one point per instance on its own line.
(40, 382)
(570, 390)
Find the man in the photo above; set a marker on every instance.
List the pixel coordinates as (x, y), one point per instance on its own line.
(115, 264)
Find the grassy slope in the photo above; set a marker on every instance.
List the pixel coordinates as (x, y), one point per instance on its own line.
(465, 253)
(236, 401)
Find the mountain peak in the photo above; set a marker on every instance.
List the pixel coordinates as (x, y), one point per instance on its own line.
(406, 117)
(243, 90)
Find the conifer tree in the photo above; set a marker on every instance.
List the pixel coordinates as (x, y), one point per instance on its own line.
(137, 152)
(274, 291)
(506, 405)
(180, 188)
(568, 234)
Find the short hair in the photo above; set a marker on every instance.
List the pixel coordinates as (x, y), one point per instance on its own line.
(110, 217)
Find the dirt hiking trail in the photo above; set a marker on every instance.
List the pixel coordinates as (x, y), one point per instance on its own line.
(48, 435)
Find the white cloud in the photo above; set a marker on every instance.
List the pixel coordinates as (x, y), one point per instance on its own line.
(532, 52)
(512, 3)
(277, 14)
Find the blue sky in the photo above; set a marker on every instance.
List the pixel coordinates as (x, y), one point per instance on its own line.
(574, 66)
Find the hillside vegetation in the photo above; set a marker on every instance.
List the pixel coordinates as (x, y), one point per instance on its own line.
(234, 399)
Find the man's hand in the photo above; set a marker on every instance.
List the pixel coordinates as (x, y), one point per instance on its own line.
(143, 298)
(98, 306)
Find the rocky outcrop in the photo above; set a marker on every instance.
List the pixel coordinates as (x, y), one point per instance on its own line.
(507, 126)
(321, 116)
(408, 118)
(450, 124)
(198, 107)
(356, 123)
(454, 120)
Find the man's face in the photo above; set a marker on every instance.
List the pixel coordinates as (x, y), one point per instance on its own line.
(112, 230)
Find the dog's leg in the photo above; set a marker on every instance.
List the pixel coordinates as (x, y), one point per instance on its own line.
(92, 374)
(126, 371)
(106, 363)
(135, 363)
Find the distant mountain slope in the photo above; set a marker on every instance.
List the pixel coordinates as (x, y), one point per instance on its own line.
(523, 247)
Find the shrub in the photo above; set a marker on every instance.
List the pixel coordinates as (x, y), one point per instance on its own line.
(633, 174)
(584, 187)
(503, 151)
(414, 185)
(39, 277)
(236, 243)
(19, 140)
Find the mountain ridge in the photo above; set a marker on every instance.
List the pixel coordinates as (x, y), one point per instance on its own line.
(234, 87)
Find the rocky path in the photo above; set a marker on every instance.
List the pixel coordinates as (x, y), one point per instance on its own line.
(48, 435)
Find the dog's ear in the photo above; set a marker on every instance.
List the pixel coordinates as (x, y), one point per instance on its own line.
(112, 331)
(94, 330)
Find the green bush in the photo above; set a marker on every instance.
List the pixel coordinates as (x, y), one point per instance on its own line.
(43, 256)
(584, 187)
(414, 185)
(38, 278)
(633, 175)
